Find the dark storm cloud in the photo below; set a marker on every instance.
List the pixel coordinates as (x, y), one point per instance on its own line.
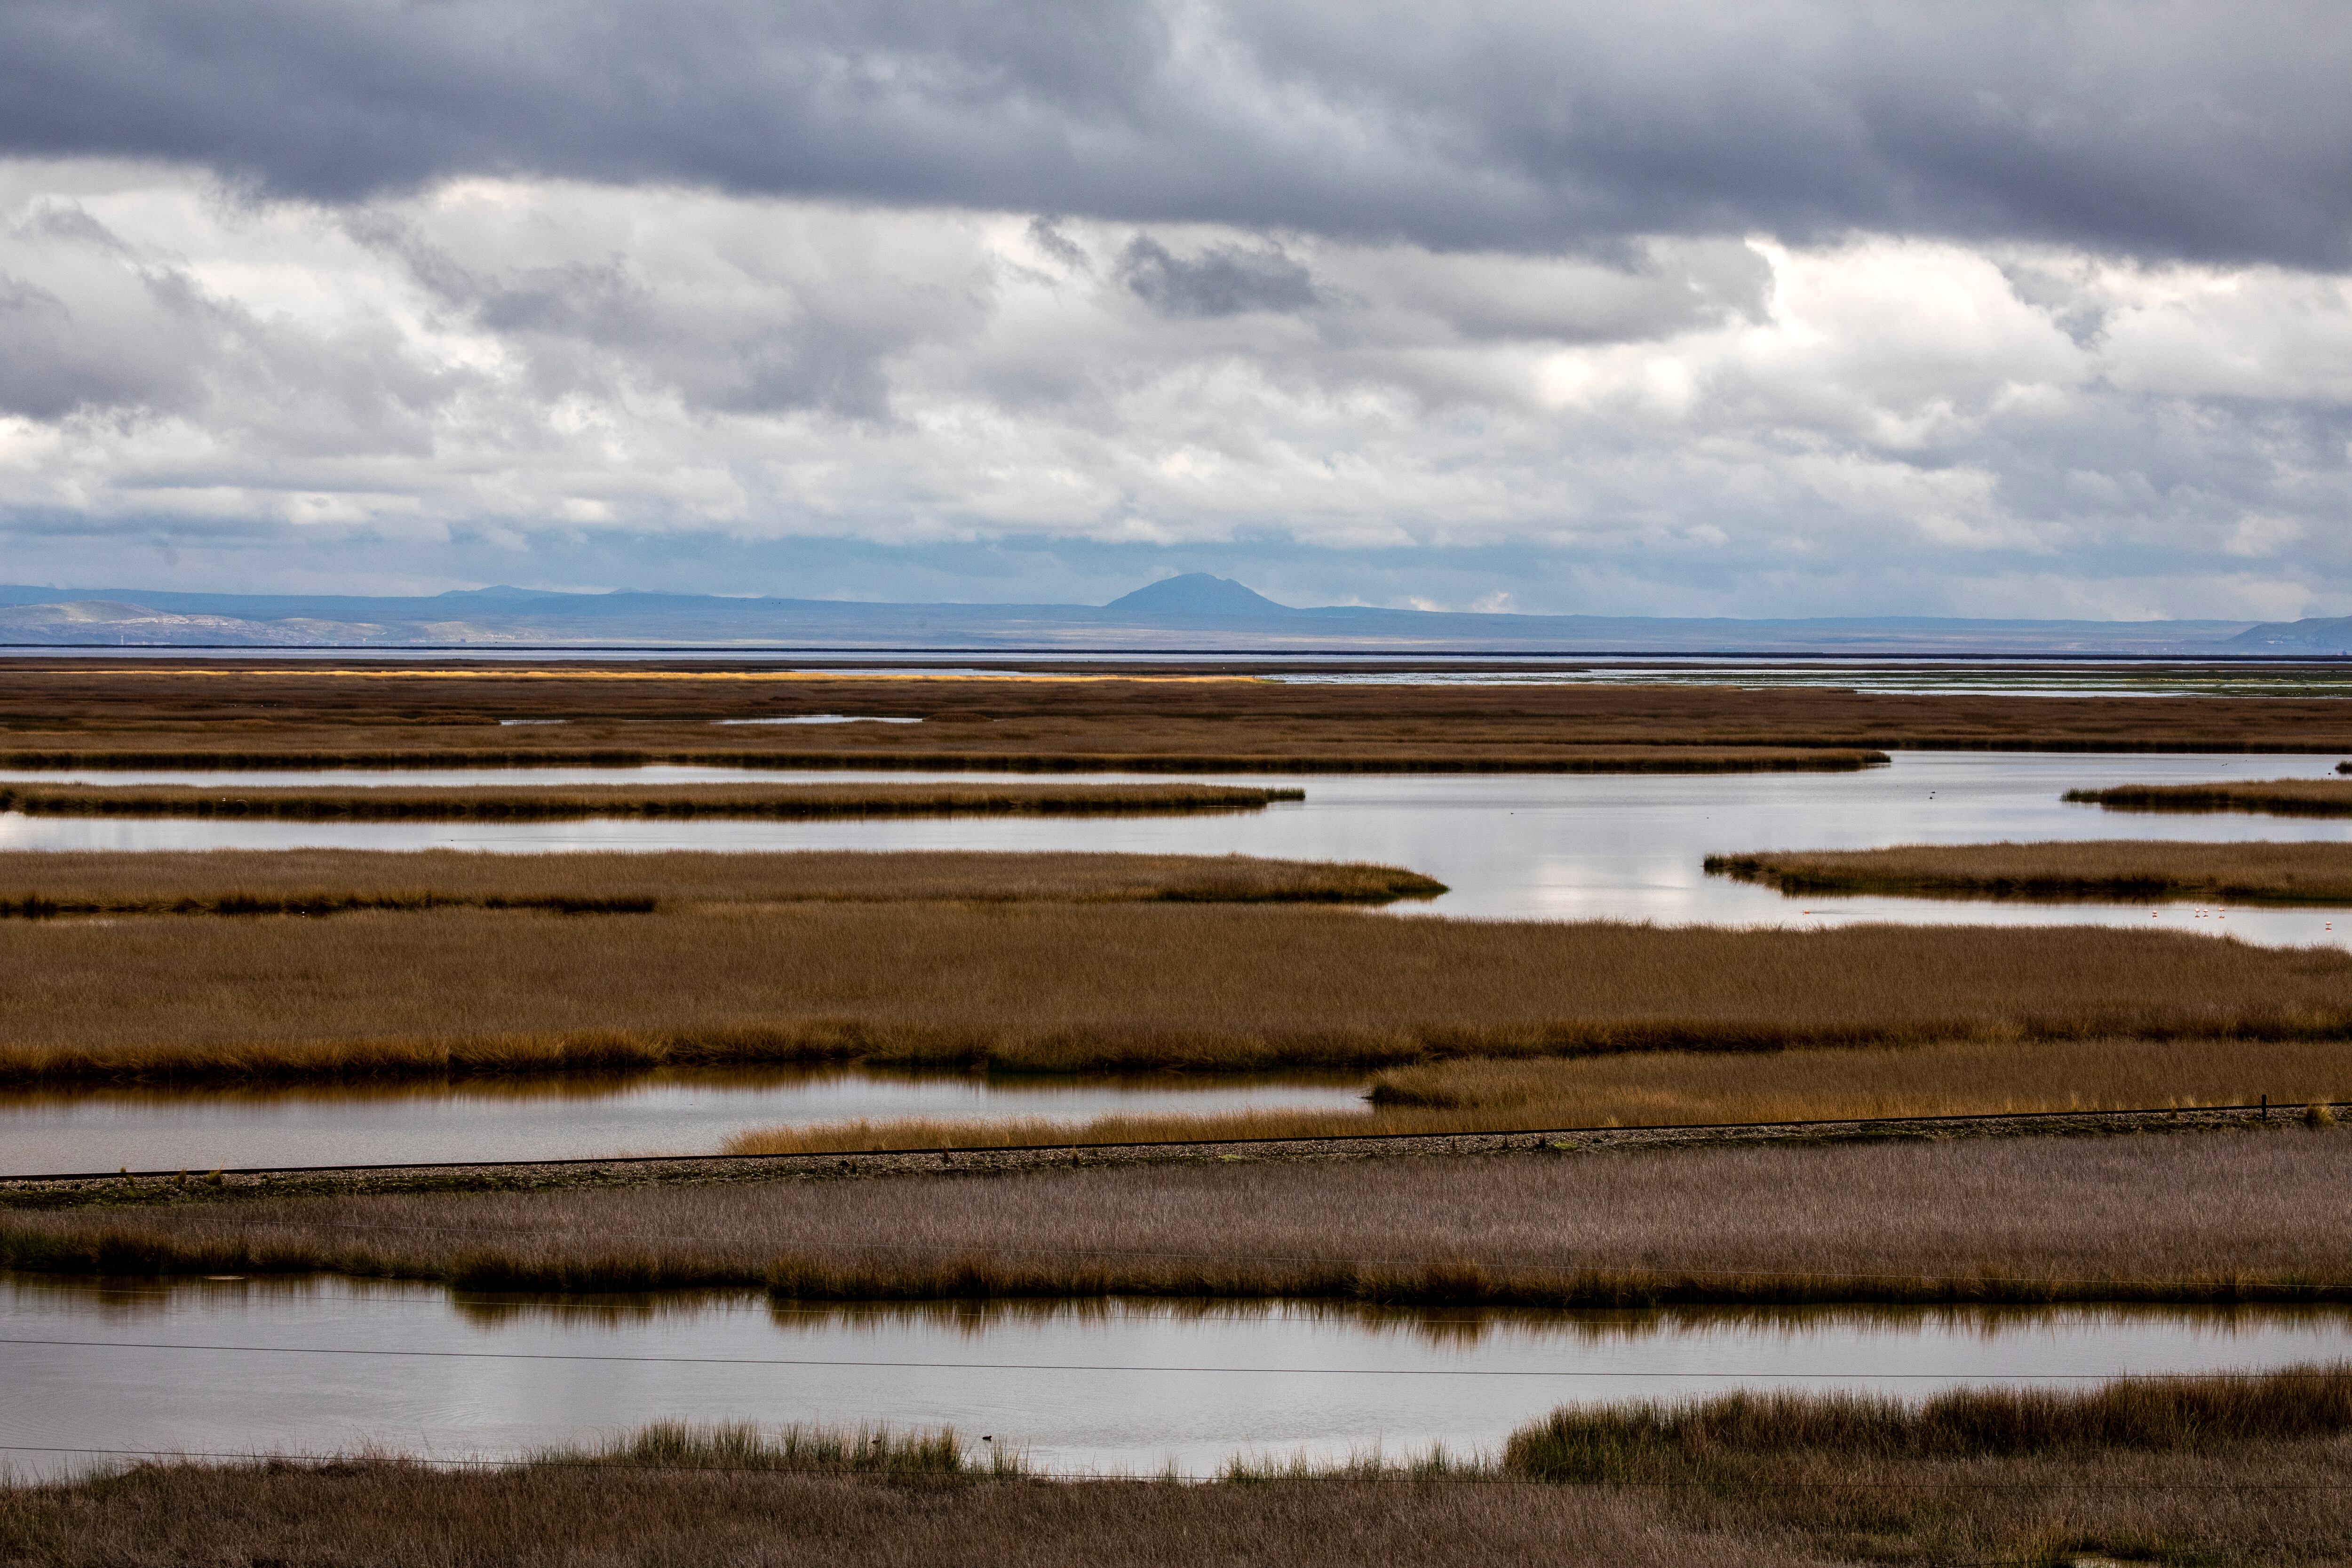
(1222, 280)
(2209, 130)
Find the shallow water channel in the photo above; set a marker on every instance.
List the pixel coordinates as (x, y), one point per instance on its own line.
(584, 1116)
(235, 1366)
(313, 1365)
(1519, 846)
(1511, 847)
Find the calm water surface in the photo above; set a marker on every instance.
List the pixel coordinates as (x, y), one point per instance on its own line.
(224, 1366)
(1513, 847)
(241, 1366)
(560, 1118)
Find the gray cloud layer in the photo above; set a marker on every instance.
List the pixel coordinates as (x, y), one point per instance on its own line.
(2199, 131)
(580, 384)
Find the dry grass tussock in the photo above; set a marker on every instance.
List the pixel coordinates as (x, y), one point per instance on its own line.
(2221, 1471)
(2250, 872)
(2272, 798)
(520, 804)
(1658, 1088)
(793, 1450)
(2185, 1217)
(1060, 987)
(322, 881)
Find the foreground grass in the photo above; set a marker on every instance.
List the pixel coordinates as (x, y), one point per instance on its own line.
(519, 804)
(2186, 1217)
(1062, 987)
(2272, 798)
(1660, 1089)
(2210, 1470)
(2136, 871)
(328, 882)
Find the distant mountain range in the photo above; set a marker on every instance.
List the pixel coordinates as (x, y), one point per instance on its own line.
(1196, 612)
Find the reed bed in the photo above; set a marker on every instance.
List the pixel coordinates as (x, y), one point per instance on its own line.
(1649, 1440)
(795, 1448)
(508, 802)
(2271, 797)
(1060, 987)
(2122, 869)
(1665, 1089)
(325, 882)
(2248, 1504)
(2203, 1218)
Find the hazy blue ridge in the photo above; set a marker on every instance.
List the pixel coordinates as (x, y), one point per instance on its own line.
(1192, 611)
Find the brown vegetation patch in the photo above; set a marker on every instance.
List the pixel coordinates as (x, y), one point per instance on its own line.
(371, 1510)
(2217, 1216)
(2271, 797)
(1652, 1441)
(2122, 869)
(79, 712)
(1056, 988)
(326, 881)
(518, 804)
(653, 746)
(1668, 1089)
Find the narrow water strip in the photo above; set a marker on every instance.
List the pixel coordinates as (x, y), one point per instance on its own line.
(244, 1366)
(583, 1116)
(1510, 847)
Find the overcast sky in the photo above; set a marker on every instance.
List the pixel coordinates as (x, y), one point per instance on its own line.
(1742, 308)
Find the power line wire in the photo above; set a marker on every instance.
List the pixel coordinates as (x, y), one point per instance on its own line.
(1102, 1366)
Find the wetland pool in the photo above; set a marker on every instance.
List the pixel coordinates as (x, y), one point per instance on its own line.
(1554, 847)
(567, 1116)
(1510, 845)
(313, 1365)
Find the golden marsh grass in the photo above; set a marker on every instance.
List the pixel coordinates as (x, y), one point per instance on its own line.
(510, 802)
(321, 881)
(1064, 988)
(2136, 871)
